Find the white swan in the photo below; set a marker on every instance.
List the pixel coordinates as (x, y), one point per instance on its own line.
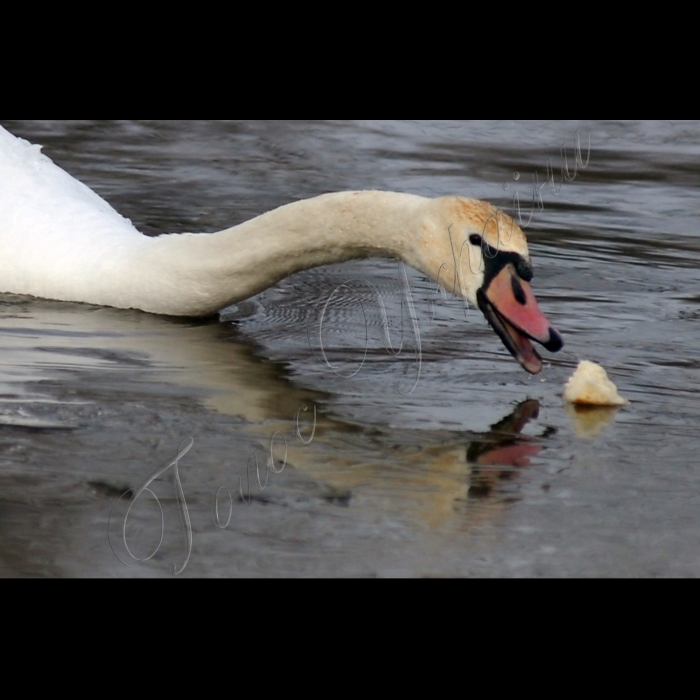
(60, 240)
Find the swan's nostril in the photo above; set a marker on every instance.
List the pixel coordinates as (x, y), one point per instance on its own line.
(518, 291)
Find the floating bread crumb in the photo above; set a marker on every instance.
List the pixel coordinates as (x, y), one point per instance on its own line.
(590, 386)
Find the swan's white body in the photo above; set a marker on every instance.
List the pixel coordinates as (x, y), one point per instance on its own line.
(60, 240)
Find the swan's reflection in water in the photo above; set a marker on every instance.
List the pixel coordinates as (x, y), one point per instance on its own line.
(502, 447)
(428, 478)
(93, 399)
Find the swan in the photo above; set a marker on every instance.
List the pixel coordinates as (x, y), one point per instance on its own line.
(60, 240)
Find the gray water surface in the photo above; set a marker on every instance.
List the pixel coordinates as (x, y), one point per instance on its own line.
(448, 462)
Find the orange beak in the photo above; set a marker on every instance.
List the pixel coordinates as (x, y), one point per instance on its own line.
(512, 310)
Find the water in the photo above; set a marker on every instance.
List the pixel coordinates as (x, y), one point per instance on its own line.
(480, 471)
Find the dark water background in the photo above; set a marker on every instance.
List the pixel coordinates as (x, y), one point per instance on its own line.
(481, 471)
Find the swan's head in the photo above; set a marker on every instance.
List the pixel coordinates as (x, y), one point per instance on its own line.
(482, 254)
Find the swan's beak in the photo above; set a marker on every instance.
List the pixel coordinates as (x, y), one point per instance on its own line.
(510, 307)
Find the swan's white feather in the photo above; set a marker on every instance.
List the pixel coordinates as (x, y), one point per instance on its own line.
(54, 230)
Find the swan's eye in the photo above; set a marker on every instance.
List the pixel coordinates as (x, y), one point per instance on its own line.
(476, 240)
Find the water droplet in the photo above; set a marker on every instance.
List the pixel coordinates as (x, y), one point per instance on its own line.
(516, 176)
(506, 186)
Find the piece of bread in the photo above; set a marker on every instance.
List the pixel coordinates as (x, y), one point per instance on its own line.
(590, 386)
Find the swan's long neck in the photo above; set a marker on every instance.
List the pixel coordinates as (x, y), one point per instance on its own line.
(199, 274)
